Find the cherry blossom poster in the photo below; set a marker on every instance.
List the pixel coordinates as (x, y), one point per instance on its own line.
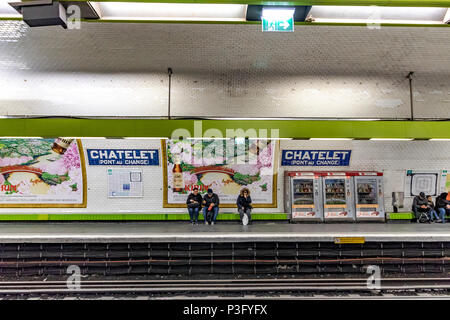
(41, 173)
(224, 165)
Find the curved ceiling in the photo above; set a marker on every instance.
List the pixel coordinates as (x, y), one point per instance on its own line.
(224, 48)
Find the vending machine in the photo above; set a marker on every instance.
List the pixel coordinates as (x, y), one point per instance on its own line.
(303, 194)
(369, 200)
(334, 196)
(338, 196)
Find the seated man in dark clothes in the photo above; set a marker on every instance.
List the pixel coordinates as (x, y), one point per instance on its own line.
(420, 204)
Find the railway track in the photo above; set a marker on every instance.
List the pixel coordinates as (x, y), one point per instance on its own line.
(214, 287)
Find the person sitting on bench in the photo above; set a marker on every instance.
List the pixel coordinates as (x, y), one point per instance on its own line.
(443, 205)
(420, 205)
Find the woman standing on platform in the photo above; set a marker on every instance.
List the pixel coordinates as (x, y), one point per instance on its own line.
(244, 204)
(194, 204)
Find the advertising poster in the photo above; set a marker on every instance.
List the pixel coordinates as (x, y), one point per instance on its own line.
(226, 166)
(42, 173)
(447, 183)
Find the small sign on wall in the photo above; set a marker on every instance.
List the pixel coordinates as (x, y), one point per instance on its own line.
(123, 157)
(421, 181)
(339, 158)
(124, 183)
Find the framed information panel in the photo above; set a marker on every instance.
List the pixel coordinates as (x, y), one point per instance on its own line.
(124, 183)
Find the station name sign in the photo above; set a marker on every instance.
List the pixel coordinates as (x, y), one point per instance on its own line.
(123, 157)
(315, 158)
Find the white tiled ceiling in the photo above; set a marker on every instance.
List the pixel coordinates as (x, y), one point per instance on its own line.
(223, 70)
(326, 50)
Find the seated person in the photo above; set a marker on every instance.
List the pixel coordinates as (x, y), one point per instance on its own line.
(433, 214)
(443, 205)
(194, 204)
(420, 204)
(211, 209)
(244, 204)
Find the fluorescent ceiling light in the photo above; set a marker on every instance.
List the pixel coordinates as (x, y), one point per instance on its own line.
(21, 138)
(277, 13)
(375, 14)
(270, 138)
(6, 11)
(145, 138)
(447, 16)
(390, 139)
(206, 138)
(172, 11)
(90, 138)
(333, 139)
(439, 139)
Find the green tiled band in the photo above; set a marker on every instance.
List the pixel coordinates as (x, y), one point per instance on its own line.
(121, 217)
(302, 129)
(158, 217)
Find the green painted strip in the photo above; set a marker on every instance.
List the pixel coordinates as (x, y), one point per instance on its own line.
(401, 216)
(160, 217)
(300, 129)
(130, 217)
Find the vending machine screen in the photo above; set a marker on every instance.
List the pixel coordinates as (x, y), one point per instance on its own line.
(367, 191)
(335, 191)
(303, 192)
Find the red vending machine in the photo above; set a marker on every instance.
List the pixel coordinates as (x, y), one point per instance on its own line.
(369, 196)
(338, 196)
(303, 196)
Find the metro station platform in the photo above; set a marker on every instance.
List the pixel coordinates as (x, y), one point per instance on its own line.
(182, 232)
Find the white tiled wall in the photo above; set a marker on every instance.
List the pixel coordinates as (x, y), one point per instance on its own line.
(392, 158)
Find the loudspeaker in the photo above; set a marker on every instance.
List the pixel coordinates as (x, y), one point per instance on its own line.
(45, 15)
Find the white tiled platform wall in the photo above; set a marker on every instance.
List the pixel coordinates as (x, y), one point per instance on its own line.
(392, 158)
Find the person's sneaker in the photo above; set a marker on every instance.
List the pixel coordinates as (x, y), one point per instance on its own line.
(212, 223)
(438, 220)
(206, 222)
(245, 220)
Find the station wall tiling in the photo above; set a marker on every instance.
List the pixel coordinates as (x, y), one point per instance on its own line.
(392, 158)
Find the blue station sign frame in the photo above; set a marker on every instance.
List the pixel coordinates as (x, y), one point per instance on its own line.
(324, 158)
(123, 157)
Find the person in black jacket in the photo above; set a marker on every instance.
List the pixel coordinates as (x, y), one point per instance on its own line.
(443, 205)
(433, 213)
(244, 204)
(194, 204)
(420, 204)
(211, 209)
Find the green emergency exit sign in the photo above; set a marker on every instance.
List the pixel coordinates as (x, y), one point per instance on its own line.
(278, 25)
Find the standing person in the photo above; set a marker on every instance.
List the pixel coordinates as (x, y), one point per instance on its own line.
(420, 204)
(194, 204)
(244, 204)
(433, 214)
(442, 205)
(211, 209)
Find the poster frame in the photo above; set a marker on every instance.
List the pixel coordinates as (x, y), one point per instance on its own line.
(83, 204)
(273, 204)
